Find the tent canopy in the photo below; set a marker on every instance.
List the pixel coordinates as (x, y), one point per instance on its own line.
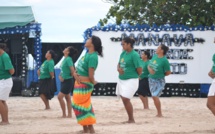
(11, 16)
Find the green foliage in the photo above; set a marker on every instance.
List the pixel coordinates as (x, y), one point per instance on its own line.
(186, 12)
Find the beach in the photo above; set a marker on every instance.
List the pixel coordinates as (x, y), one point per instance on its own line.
(181, 116)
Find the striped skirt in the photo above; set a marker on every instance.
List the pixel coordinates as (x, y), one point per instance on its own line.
(81, 103)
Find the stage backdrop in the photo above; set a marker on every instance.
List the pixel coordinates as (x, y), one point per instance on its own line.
(190, 53)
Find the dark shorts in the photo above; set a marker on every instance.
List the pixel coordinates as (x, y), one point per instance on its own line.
(143, 88)
(67, 86)
(47, 87)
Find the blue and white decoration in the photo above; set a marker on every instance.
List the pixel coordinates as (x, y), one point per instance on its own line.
(145, 28)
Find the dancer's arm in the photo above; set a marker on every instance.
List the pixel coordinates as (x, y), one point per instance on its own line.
(91, 75)
(139, 70)
(211, 74)
(167, 73)
(72, 70)
(61, 78)
(11, 71)
(52, 74)
(51, 69)
(8, 65)
(75, 75)
(38, 72)
(151, 71)
(120, 70)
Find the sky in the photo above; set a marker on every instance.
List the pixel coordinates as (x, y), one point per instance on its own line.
(64, 20)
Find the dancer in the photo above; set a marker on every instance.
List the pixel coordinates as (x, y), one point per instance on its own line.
(129, 68)
(84, 85)
(67, 82)
(211, 93)
(47, 86)
(6, 83)
(159, 67)
(143, 90)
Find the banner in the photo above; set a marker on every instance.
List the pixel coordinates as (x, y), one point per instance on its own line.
(190, 51)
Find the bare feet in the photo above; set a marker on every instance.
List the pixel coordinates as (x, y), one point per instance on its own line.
(69, 116)
(63, 116)
(91, 129)
(159, 116)
(4, 123)
(82, 132)
(85, 129)
(48, 108)
(129, 121)
(146, 109)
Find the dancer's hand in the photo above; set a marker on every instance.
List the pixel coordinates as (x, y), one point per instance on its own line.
(120, 70)
(211, 74)
(61, 79)
(95, 82)
(38, 72)
(151, 71)
(77, 78)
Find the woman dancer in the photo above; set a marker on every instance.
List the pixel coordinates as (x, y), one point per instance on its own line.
(143, 90)
(158, 68)
(129, 68)
(211, 93)
(47, 86)
(66, 78)
(6, 83)
(84, 85)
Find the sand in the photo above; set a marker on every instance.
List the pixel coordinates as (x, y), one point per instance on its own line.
(181, 116)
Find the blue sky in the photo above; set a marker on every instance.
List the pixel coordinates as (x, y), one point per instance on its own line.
(64, 20)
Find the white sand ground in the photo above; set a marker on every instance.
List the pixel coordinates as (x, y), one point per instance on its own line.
(182, 116)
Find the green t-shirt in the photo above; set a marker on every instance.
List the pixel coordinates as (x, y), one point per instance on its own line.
(129, 62)
(160, 66)
(5, 66)
(46, 68)
(145, 72)
(213, 68)
(86, 62)
(65, 68)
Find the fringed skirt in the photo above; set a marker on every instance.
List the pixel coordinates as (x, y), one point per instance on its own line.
(81, 103)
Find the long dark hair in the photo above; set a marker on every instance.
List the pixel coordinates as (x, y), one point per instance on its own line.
(147, 54)
(53, 54)
(164, 48)
(72, 52)
(3, 46)
(96, 41)
(129, 41)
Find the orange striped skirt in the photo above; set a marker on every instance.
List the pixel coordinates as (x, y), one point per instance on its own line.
(81, 103)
